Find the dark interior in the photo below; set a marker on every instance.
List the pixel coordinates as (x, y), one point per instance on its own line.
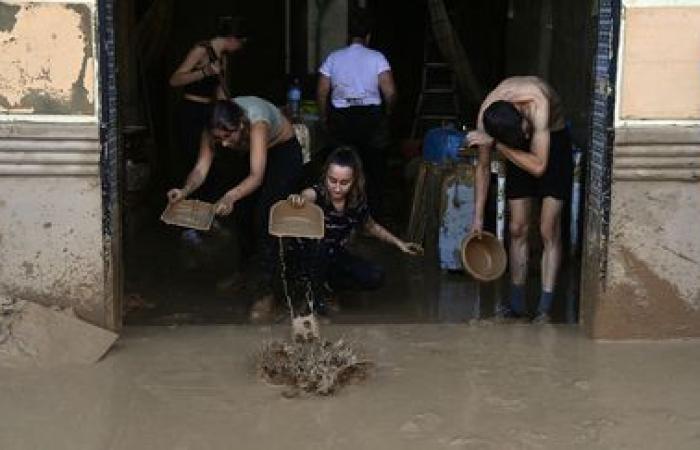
(168, 284)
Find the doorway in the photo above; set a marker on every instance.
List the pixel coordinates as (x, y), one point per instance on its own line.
(164, 284)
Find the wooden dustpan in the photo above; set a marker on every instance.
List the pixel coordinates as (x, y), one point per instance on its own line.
(298, 222)
(289, 221)
(189, 214)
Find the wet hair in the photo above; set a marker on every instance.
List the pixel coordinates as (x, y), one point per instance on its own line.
(226, 115)
(233, 27)
(504, 123)
(346, 156)
(359, 25)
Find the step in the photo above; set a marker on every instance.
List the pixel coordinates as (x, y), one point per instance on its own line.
(437, 116)
(437, 65)
(438, 91)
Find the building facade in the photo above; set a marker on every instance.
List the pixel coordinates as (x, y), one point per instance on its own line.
(60, 234)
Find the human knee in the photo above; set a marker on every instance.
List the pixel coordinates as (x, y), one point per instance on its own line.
(518, 230)
(550, 232)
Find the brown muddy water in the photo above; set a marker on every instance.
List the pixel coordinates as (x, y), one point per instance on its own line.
(433, 386)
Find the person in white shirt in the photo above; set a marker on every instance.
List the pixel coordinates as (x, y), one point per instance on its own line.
(355, 95)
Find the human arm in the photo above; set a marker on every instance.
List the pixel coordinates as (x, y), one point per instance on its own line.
(258, 161)
(188, 72)
(323, 90)
(198, 174)
(482, 178)
(482, 170)
(388, 90)
(381, 233)
(222, 91)
(535, 110)
(534, 161)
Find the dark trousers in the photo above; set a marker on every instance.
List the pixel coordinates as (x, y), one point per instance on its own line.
(193, 119)
(366, 128)
(345, 271)
(318, 266)
(282, 174)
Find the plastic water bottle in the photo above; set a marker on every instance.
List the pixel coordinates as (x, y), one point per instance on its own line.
(294, 98)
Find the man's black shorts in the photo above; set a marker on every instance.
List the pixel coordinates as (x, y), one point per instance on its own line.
(557, 178)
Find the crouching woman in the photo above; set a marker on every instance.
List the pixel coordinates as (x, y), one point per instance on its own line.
(341, 195)
(255, 126)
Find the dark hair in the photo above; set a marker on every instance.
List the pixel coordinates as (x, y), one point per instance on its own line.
(347, 157)
(504, 123)
(226, 115)
(233, 27)
(360, 25)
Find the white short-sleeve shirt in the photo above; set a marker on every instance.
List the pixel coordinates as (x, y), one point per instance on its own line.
(354, 74)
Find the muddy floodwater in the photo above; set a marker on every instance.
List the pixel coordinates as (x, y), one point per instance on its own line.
(432, 387)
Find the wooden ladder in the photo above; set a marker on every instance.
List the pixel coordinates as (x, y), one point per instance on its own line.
(437, 101)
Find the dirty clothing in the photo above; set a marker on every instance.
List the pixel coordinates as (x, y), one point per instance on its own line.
(207, 86)
(353, 71)
(260, 110)
(356, 117)
(328, 263)
(366, 128)
(282, 174)
(557, 179)
(339, 225)
(194, 118)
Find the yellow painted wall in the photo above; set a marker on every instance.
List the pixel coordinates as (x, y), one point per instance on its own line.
(661, 63)
(47, 58)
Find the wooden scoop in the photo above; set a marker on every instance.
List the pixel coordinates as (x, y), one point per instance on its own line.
(291, 221)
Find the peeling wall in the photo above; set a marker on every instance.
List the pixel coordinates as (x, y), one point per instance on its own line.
(51, 242)
(46, 52)
(651, 287)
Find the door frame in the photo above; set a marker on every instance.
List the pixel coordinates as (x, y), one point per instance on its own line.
(599, 162)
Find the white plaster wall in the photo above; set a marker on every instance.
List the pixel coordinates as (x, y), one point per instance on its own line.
(658, 223)
(51, 242)
(334, 30)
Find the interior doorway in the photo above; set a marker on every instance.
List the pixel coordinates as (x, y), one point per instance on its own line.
(165, 283)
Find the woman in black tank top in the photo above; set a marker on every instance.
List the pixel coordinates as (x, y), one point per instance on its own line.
(201, 75)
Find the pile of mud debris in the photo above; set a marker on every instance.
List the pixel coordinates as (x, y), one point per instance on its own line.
(316, 367)
(36, 335)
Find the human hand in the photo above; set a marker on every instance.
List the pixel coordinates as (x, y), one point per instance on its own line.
(411, 248)
(296, 200)
(175, 195)
(224, 206)
(213, 68)
(477, 227)
(478, 138)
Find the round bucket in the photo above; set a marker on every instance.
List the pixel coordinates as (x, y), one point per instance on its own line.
(483, 258)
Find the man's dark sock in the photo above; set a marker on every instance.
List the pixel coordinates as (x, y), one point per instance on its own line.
(545, 305)
(517, 298)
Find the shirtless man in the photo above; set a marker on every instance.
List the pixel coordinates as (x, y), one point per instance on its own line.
(523, 119)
